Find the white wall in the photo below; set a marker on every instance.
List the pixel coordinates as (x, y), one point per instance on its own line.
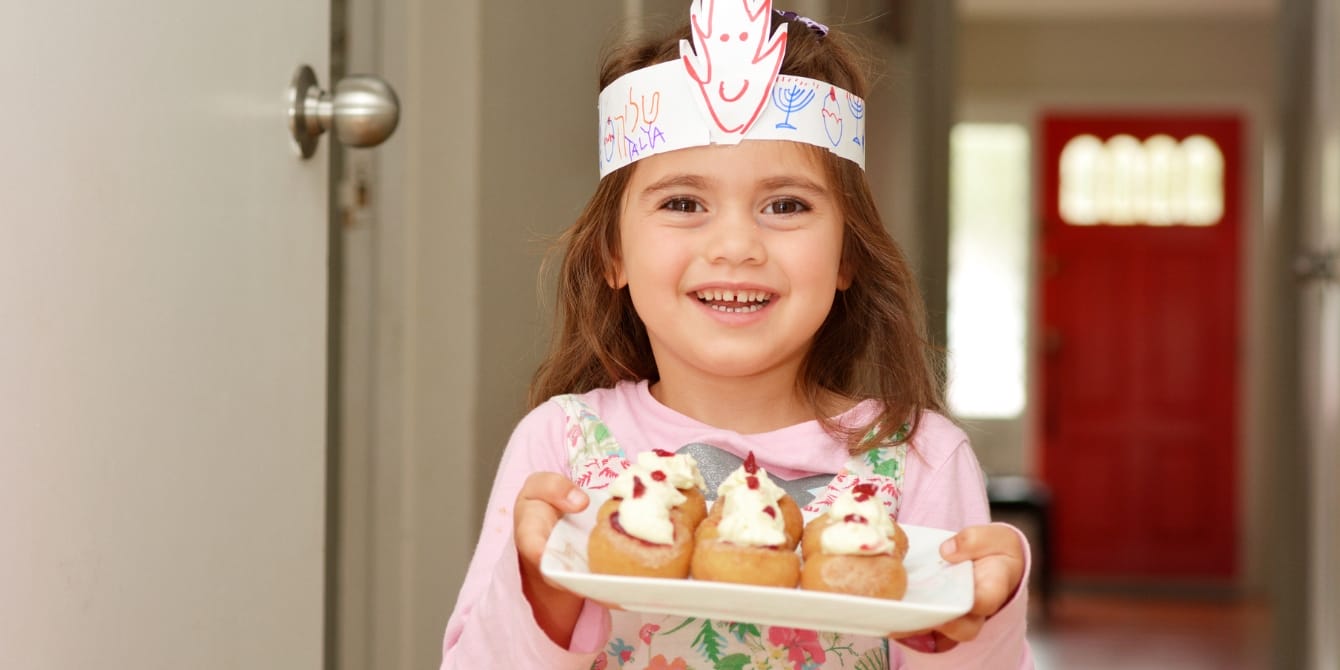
(442, 327)
(407, 430)
(536, 170)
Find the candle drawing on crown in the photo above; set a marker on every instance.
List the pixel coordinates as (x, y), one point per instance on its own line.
(733, 60)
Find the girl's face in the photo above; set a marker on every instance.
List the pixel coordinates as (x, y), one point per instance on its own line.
(732, 256)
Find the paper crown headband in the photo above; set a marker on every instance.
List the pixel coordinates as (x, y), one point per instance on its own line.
(725, 88)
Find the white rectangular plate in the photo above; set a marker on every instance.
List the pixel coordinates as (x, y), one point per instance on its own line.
(936, 591)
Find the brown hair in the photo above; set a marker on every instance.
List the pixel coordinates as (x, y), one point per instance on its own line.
(873, 343)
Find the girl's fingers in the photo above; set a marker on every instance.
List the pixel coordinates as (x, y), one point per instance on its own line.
(998, 559)
(998, 568)
(544, 497)
(532, 530)
(976, 542)
(995, 579)
(553, 489)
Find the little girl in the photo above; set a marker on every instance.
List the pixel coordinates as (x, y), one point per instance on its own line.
(730, 288)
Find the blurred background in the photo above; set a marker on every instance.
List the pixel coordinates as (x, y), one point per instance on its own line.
(252, 404)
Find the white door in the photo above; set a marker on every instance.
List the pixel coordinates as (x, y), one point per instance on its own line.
(162, 337)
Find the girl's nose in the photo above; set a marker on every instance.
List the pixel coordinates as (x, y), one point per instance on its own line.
(735, 238)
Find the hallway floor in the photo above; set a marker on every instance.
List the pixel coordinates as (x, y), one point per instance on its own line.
(1102, 631)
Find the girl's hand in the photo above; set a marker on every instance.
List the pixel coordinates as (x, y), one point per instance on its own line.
(544, 498)
(998, 568)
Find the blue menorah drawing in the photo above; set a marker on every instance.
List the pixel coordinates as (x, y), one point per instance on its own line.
(857, 108)
(791, 100)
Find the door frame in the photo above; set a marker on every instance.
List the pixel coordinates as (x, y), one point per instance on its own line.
(404, 419)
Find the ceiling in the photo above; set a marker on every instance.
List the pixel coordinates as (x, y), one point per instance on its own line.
(1058, 9)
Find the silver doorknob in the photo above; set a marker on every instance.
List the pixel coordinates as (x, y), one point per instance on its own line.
(363, 111)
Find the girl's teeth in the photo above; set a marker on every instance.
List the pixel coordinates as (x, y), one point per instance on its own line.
(741, 296)
(743, 301)
(737, 310)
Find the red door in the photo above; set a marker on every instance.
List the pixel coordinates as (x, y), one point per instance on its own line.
(1139, 375)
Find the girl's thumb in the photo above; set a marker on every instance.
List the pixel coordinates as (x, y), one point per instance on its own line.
(949, 548)
(576, 499)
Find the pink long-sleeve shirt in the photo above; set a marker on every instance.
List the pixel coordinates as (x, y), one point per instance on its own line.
(493, 625)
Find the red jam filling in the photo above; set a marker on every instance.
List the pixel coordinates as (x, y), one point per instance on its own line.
(638, 488)
(662, 453)
(770, 512)
(657, 475)
(752, 482)
(854, 518)
(750, 465)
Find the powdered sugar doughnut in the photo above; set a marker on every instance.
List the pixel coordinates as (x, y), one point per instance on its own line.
(612, 550)
(854, 548)
(792, 518)
(646, 529)
(745, 541)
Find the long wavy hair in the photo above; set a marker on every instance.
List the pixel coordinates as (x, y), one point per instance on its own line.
(872, 345)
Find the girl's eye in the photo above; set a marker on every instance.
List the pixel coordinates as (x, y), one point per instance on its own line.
(786, 206)
(682, 205)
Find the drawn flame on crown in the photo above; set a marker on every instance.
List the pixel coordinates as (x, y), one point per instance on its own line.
(730, 41)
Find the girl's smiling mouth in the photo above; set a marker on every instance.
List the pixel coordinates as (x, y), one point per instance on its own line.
(734, 301)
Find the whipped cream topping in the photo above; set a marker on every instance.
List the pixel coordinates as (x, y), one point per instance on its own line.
(681, 470)
(860, 525)
(739, 481)
(752, 518)
(645, 504)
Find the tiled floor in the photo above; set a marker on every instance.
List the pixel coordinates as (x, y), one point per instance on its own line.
(1101, 631)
